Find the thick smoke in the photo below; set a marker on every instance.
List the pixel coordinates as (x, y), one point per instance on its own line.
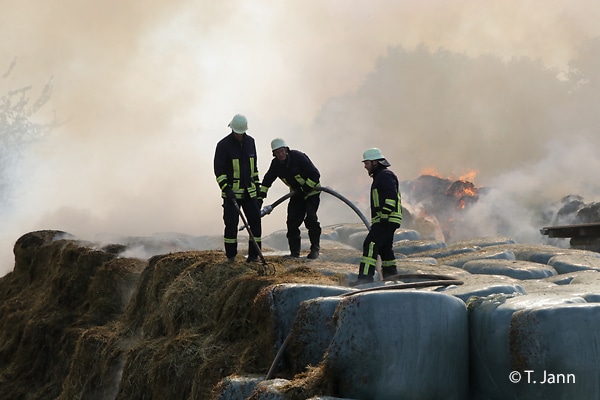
(530, 135)
(145, 90)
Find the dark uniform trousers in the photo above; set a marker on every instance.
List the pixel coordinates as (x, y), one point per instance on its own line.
(231, 218)
(379, 242)
(300, 210)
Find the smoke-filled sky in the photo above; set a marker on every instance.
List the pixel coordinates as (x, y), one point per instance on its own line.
(145, 89)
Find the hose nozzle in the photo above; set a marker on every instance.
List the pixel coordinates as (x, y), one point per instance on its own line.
(266, 210)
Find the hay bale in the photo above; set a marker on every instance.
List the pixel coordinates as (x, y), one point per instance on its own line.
(565, 263)
(95, 370)
(539, 332)
(311, 333)
(512, 268)
(421, 351)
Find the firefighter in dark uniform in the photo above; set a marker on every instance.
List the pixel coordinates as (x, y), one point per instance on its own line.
(386, 217)
(298, 172)
(236, 170)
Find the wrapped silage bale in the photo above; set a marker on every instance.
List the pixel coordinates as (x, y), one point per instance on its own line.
(539, 346)
(311, 333)
(513, 268)
(400, 345)
(285, 299)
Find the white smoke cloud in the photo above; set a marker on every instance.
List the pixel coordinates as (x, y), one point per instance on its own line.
(146, 91)
(523, 198)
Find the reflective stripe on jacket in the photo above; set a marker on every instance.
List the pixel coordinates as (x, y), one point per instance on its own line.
(236, 167)
(385, 197)
(296, 172)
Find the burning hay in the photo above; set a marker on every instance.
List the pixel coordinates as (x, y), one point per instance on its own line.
(439, 201)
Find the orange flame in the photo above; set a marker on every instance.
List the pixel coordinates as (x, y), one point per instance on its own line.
(469, 176)
(430, 171)
(460, 194)
(466, 177)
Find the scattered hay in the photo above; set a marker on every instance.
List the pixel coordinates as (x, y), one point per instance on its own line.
(82, 323)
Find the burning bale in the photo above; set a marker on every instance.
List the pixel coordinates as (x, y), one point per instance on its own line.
(442, 200)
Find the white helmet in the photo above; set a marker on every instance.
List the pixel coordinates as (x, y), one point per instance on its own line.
(239, 124)
(374, 154)
(277, 144)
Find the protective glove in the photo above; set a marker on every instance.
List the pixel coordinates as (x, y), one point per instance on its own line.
(259, 201)
(229, 193)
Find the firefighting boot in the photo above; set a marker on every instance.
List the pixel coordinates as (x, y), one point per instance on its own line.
(388, 271)
(252, 252)
(314, 238)
(294, 244)
(231, 251)
(362, 278)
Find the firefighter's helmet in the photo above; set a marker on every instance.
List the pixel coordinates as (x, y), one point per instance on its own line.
(239, 124)
(374, 154)
(277, 144)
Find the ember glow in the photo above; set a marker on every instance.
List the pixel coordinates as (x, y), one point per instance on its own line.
(440, 199)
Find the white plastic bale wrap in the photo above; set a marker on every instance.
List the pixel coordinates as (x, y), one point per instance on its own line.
(286, 299)
(237, 387)
(312, 332)
(522, 270)
(560, 345)
(400, 345)
(541, 333)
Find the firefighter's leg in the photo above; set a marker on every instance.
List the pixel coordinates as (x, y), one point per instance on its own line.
(231, 219)
(386, 251)
(368, 261)
(295, 216)
(312, 224)
(252, 212)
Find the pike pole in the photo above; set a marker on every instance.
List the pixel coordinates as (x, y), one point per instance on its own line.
(252, 238)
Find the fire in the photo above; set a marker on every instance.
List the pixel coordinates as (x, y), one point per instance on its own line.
(467, 177)
(431, 172)
(461, 189)
(446, 199)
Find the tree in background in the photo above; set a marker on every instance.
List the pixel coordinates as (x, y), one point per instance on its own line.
(18, 130)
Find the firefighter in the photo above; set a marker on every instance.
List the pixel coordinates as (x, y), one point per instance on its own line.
(386, 217)
(297, 171)
(236, 170)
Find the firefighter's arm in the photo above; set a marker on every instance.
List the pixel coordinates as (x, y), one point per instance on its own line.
(254, 173)
(388, 207)
(311, 172)
(267, 181)
(390, 199)
(220, 169)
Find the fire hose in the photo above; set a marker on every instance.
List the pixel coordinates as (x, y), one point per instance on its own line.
(269, 208)
(434, 280)
(266, 210)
